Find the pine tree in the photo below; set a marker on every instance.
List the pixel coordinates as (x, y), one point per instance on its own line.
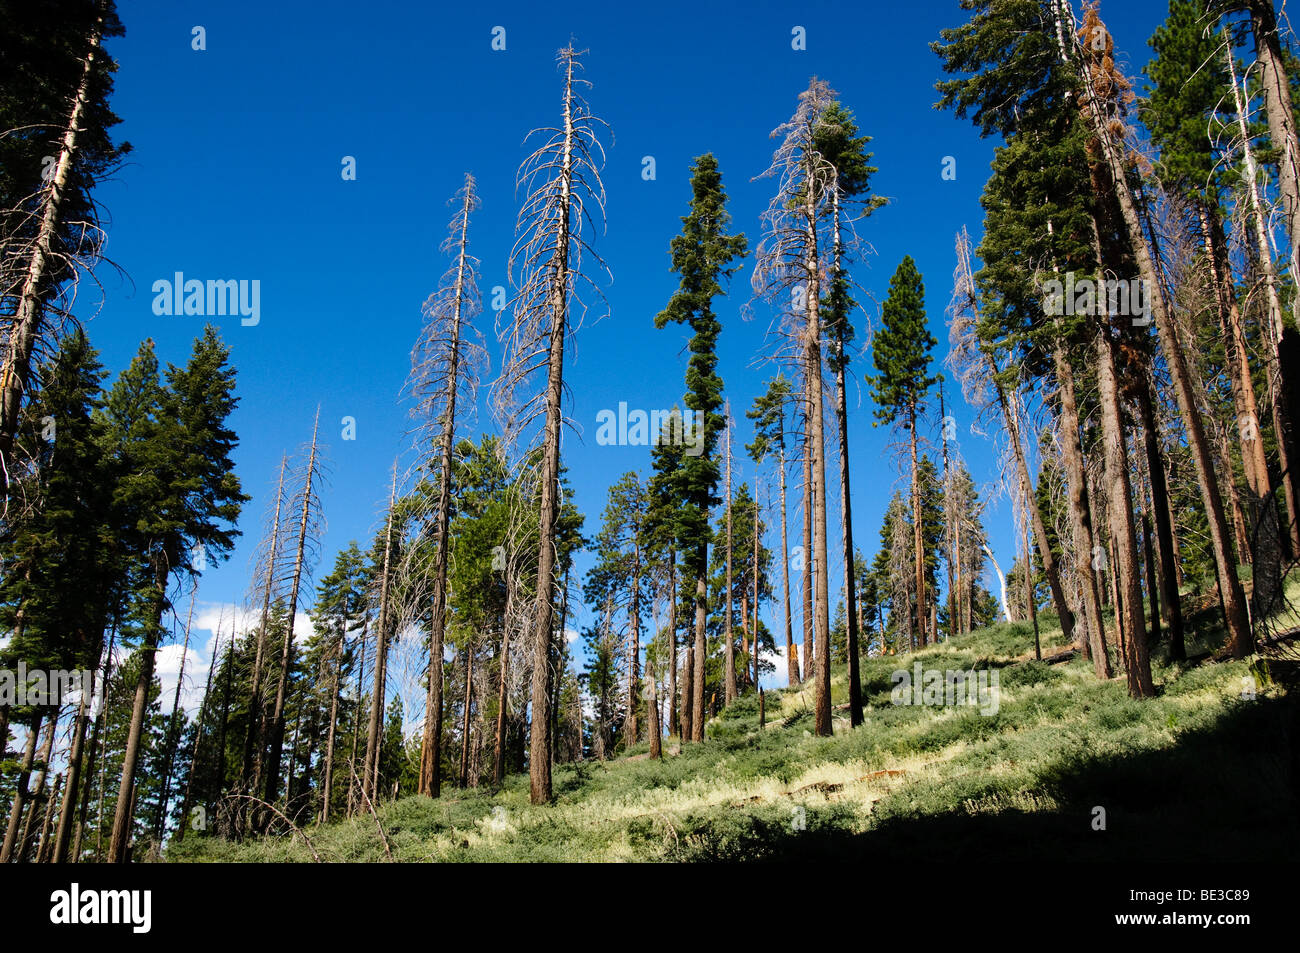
(901, 354)
(789, 261)
(702, 255)
(61, 562)
(615, 580)
(769, 415)
(837, 139)
(188, 499)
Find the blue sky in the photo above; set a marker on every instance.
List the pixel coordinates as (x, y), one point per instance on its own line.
(236, 169)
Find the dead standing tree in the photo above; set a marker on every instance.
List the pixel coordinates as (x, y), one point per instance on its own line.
(789, 263)
(268, 564)
(981, 379)
(562, 179)
(444, 363)
(370, 775)
(307, 528)
(46, 259)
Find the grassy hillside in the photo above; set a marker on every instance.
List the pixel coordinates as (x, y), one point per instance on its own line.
(1198, 773)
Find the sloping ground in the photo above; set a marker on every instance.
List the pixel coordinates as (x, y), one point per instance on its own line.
(1204, 771)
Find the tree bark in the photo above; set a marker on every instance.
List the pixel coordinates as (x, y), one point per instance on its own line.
(791, 654)
(120, 842)
(26, 322)
(250, 774)
(370, 778)
(1122, 531)
(1080, 515)
(286, 655)
(21, 793)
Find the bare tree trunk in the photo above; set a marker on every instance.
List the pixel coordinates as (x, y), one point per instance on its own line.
(918, 537)
(949, 524)
(630, 732)
(846, 509)
(673, 712)
(45, 847)
(76, 754)
(327, 781)
(1234, 604)
(1163, 528)
(1122, 531)
(1080, 515)
(250, 774)
(26, 323)
(1031, 602)
(431, 740)
(728, 637)
(173, 736)
(27, 843)
(1281, 118)
(186, 800)
(100, 718)
(697, 690)
(688, 685)
(286, 655)
(499, 755)
(1237, 356)
(791, 655)
(1283, 126)
(809, 651)
(817, 453)
(122, 818)
(356, 716)
(464, 730)
(370, 778)
(1050, 567)
(755, 574)
(21, 793)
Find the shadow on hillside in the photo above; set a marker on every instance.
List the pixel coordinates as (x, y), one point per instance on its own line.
(1226, 793)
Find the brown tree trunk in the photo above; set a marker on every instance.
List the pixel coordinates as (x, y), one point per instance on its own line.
(1080, 515)
(1234, 604)
(431, 739)
(122, 818)
(464, 726)
(674, 726)
(374, 741)
(846, 533)
(631, 733)
(1276, 86)
(1163, 528)
(499, 755)
(791, 654)
(1008, 405)
(250, 774)
(21, 794)
(26, 323)
(918, 536)
(1122, 531)
(728, 636)
(697, 701)
(173, 730)
(809, 650)
(286, 655)
(327, 778)
(821, 553)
